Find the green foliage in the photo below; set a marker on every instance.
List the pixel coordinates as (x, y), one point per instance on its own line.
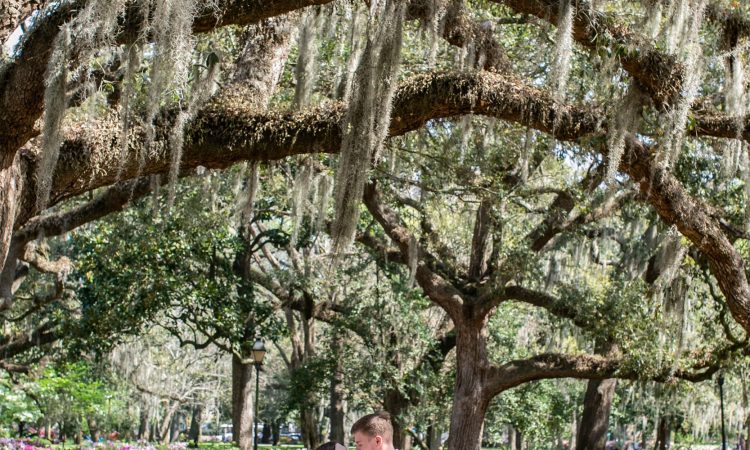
(135, 270)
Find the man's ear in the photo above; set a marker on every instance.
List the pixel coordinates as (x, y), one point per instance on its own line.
(378, 440)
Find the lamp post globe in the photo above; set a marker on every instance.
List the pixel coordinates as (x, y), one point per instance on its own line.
(259, 352)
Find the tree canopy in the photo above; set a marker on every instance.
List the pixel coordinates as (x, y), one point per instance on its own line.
(543, 189)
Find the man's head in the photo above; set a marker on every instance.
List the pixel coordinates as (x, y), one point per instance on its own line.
(373, 432)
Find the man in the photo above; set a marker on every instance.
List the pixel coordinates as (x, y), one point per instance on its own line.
(373, 432)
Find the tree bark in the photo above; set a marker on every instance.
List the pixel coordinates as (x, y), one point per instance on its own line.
(242, 403)
(276, 431)
(592, 434)
(481, 243)
(433, 437)
(11, 184)
(396, 403)
(195, 424)
(338, 428)
(93, 428)
(663, 432)
(174, 427)
(309, 426)
(471, 399)
(266, 433)
(167, 421)
(519, 439)
(143, 428)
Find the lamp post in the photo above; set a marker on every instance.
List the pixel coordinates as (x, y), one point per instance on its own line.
(721, 401)
(259, 351)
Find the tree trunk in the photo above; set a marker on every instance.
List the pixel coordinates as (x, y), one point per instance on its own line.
(519, 439)
(481, 244)
(338, 429)
(395, 403)
(242, 403)
(663, 432)
(93, 429)
(266, 438)
(574, 430)
(195, 424)
(166, 421)
(470, 400)
(433, 437)
(143, 429)
(174, 428)
(592, 434)
(276, 431)
(10, 191)
(309, 426)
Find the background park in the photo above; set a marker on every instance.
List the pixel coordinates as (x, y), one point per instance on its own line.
(517, 224)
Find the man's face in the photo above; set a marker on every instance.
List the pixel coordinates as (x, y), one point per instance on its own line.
(364, 441)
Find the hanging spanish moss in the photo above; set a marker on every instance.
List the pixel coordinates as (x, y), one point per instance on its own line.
(465, 130)
(132, 62)
(563, 50)
(745, 155)
(413, 260)
(171, 27)
(736, 100)
(668, 261)
(54, 113)
(93, 27)
(155, 184)
(305, 71)
(526, 151)
(368, 116)
(300, 196)
(248, 184)
(323, 191)
(735, 103)
(652, 22)
(686, 42)
(437, 12)
(679, 12)
(357, 42)
(555, 272)
(676, 305)
(203, 88)
(624, 121)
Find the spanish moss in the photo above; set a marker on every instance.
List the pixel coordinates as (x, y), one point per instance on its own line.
(202, 90)
(625, 119)
(563, 50)
(367, 118)
(54, 114)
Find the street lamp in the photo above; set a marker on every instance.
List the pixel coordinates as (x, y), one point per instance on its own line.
(259, 351)
(721, 401)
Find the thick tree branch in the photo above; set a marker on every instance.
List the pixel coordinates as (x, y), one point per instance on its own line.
(11, 346)
(13, 13)
(592, 367)
(114, 199)
(22, 82)
(436, 287)
(659, 74)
